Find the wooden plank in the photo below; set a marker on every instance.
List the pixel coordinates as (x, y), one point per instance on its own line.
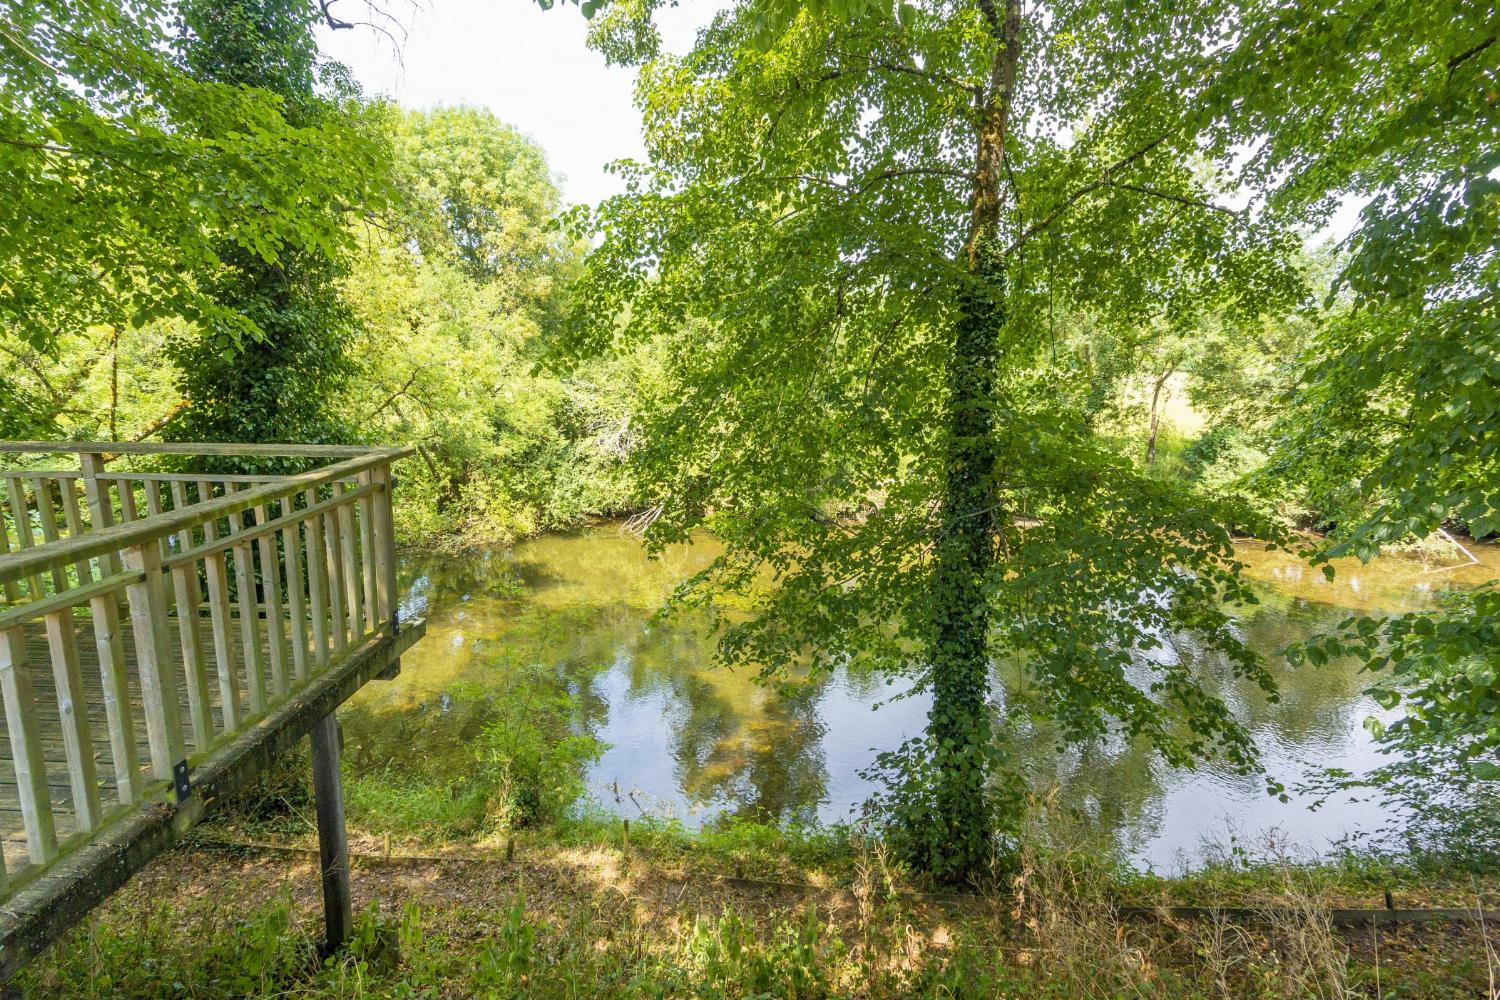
(349, 541)
(153, 653)
(244, 585)
(8, 589)
(30, 610)
(47, 515)
(190, 477)
(217, 449)
(152, 492)
(333, 550)
(101, 510)
(20, 513)
(270, 577)
(129, 513)
(373, 620)
(386, 592)
(259, 531)
(217, 576)
(333, 846)
(185, 594)
(296, 588)
(1337, 916)
(73, 518)
(317, 582)
(120, 537)
(110, 646)
(25, 748)
(78, 743)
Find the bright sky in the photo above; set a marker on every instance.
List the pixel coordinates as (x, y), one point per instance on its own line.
(532, 69)
(529, 66)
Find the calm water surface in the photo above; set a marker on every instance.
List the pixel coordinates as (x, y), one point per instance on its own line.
(697, 742)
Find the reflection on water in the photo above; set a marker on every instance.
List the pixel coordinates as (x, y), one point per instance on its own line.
(697, 743)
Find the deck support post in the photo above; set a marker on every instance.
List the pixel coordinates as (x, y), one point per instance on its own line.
(333, 847)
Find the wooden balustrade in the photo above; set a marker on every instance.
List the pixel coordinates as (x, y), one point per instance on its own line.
(147, 618)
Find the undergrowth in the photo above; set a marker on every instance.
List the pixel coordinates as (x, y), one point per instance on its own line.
(580, 914)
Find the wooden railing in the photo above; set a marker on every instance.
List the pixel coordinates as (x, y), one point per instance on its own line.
(172, 610)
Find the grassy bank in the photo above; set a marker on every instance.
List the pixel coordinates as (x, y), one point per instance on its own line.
(584, 909)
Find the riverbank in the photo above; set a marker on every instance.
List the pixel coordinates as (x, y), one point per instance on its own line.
(576, 911)
(552, 646)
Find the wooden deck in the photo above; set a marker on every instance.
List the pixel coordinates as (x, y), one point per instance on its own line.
(164, 633)
(12, 830)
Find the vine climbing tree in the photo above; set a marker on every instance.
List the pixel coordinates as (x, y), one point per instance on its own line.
(279, 385)
(851, 236)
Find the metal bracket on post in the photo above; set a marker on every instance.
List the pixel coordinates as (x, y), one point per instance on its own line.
(180, 781)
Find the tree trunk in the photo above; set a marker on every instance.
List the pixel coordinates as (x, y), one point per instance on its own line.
(1155, 417)
(960, 730)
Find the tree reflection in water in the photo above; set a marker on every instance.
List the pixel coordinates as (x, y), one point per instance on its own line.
(698, 742)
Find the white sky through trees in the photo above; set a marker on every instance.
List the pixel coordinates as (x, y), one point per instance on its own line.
(534, 70)
(530, 67)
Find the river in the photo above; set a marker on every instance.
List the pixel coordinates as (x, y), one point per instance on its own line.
(695, 742)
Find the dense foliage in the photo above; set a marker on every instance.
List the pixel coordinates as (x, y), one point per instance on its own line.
(406, 308)
(127, 174)
(972, 328)
(1392, 424)
(452, 297)
(854, 237)
(279, 384)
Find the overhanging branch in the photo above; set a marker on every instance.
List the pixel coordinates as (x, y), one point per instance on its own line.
(1181, 199)
(1105, 177)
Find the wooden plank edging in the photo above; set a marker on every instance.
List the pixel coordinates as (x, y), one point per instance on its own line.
(1338, 916)
(115, 538)
(215, 448)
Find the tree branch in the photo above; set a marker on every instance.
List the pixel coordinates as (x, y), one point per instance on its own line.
(868, 181)
(1104, 178)
(1468, 54)
(893, 67)
(45, 146)
(885, 175)
(161, 423)
(411, 379)
(1181, 199)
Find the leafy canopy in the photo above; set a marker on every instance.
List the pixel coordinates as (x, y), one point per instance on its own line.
(127, 176)
(799, 244)
(1394, 419)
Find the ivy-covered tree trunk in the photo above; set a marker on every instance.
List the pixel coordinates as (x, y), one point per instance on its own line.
(960, 727)
(960, 730)
(279, 386)
(840, 233)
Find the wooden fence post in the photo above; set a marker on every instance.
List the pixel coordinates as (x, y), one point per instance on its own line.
(26, 747)
(386, 594)
(107, 638)
(333, 848)
(388, 597)
(153, 652)
(101, 511)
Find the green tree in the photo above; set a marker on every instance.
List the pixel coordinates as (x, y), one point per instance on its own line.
(127, 178)
(1392, 421)
(280, 384)
(453, 294)
(481, 196)
(850, 238)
